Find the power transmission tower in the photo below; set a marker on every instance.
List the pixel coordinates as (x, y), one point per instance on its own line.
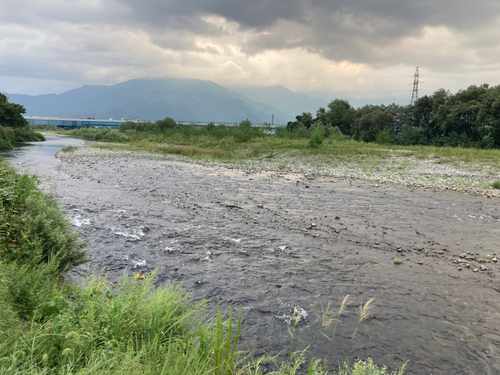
(414, 94)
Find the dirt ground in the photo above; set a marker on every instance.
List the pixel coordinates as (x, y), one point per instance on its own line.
(271, 243)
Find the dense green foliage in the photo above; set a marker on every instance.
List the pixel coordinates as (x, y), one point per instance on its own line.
(469, 118)
(13, 126)
(32, 227)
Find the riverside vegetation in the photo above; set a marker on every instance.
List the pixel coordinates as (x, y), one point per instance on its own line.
(48, 326)
(13, 126)
(321, 148)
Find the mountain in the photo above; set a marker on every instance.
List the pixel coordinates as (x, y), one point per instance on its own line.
(281, 98)
(153, 99)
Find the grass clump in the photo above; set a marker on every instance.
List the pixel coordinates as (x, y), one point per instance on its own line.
(496, 185)
(69, 149)
(367, 368)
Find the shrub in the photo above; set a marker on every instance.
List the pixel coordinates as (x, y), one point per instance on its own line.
(244, 132)
(33, 228)
(100, 134)
(165, 124)
(336, 135)
(496, 185)
(7, 138)
(27, 134)
(316, 138)
(383, 138)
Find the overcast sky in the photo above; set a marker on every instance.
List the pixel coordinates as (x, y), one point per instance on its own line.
(346, 48)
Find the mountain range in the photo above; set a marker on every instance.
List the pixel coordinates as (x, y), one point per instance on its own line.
(182, 99)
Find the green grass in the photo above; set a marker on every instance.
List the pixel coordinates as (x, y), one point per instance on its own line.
(496, 185)
(227, 144)
(69, 149)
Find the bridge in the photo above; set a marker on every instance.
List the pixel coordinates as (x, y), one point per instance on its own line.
(71, 123)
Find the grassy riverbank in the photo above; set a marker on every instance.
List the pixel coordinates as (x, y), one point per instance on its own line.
(50, 327)
(463, 169)
(230, 143)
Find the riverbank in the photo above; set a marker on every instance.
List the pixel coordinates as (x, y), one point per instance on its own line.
(410, 171)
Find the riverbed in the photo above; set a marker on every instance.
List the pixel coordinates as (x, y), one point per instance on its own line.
(272, 243)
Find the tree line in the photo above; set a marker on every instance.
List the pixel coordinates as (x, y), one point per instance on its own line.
(469, 118)
(13, 126)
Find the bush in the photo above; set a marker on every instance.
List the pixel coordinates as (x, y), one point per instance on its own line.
(165, 124)
(244, 132)
(7, 138)
(383, 138)
(316, 138)
(46, 127)
(496, 185)
(33, 228)
(27, 134)
(336, 135)
(100, 134)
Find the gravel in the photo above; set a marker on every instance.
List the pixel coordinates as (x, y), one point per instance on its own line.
(408, 171)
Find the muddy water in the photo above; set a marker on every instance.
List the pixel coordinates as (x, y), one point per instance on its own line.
(269, 243)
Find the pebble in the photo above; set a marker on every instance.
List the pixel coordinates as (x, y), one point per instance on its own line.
(423, 173)
(398, 261)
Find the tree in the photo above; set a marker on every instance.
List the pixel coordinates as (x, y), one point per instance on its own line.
(11, 114)
(371, 120)
(165, 124)
(341, 114)
(305, 120)
(13, 126)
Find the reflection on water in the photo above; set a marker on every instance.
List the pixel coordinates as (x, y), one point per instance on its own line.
(30, 153)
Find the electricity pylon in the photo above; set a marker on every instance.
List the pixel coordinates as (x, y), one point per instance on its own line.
(414, 94)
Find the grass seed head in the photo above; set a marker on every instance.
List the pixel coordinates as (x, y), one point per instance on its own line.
(365, 310)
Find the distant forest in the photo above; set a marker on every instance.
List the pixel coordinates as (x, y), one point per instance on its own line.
(469, 118)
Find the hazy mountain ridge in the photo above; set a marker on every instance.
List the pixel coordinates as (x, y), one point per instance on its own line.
(282, 99)
(181, 99)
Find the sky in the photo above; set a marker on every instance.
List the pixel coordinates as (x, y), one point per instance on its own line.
(359, 49)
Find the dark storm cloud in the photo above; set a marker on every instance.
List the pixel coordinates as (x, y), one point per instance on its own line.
(353, 30)
(360, 31)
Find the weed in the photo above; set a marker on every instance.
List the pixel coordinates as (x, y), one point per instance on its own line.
(69, 149)
(496, 185)
(367, 368)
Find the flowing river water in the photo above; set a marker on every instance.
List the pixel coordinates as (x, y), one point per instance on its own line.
(272, 243)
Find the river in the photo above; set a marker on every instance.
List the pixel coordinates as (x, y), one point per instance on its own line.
(272, 243)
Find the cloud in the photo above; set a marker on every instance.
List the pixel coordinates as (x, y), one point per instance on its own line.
(302, 44)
